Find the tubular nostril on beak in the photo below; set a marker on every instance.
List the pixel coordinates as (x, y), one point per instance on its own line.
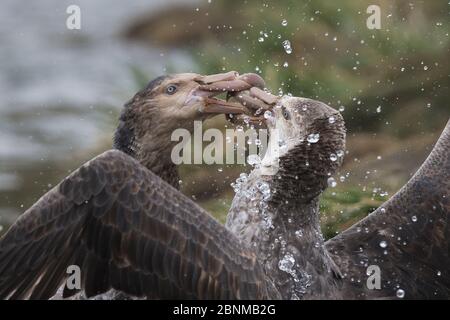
(228, 76)
(223, 86)
(230, 81)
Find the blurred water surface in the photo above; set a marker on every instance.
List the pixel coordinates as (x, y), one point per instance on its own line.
(60, 89)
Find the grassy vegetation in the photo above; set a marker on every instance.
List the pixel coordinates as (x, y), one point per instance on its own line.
(343, 207)
(402, 68)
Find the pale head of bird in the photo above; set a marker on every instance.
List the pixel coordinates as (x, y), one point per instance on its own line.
(306, 144)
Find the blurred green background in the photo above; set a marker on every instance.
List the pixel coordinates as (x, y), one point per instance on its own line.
(391, 86)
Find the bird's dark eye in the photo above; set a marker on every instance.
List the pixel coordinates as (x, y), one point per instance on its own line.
(286, 114)
(171, 89)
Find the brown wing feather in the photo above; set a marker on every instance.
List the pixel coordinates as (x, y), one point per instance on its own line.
(129, 230)
(415, 225)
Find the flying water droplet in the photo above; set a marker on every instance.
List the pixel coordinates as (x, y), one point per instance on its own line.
(313, 137)
(414, 218)
(341, 108)
(287, 46)
(332, 182)
(260, 39)
(332, 119)
(378, 109)
(284, 22)
(267, 114)
(333, 157)
(299, 233)
(383, 244)
(400, 293)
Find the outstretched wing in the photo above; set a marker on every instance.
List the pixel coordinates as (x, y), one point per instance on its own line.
(408, 237)
(129, 230)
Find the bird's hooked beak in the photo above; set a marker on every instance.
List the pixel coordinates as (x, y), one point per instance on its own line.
(215, 84)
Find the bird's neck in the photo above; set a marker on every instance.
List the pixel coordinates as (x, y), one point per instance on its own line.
(156, 156)
(294, 250)
(286, 235)
(152, 149)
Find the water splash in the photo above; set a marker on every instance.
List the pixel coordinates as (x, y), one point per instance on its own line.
(287, 263)
(253, 160)
(302, 280)
(237, 185)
